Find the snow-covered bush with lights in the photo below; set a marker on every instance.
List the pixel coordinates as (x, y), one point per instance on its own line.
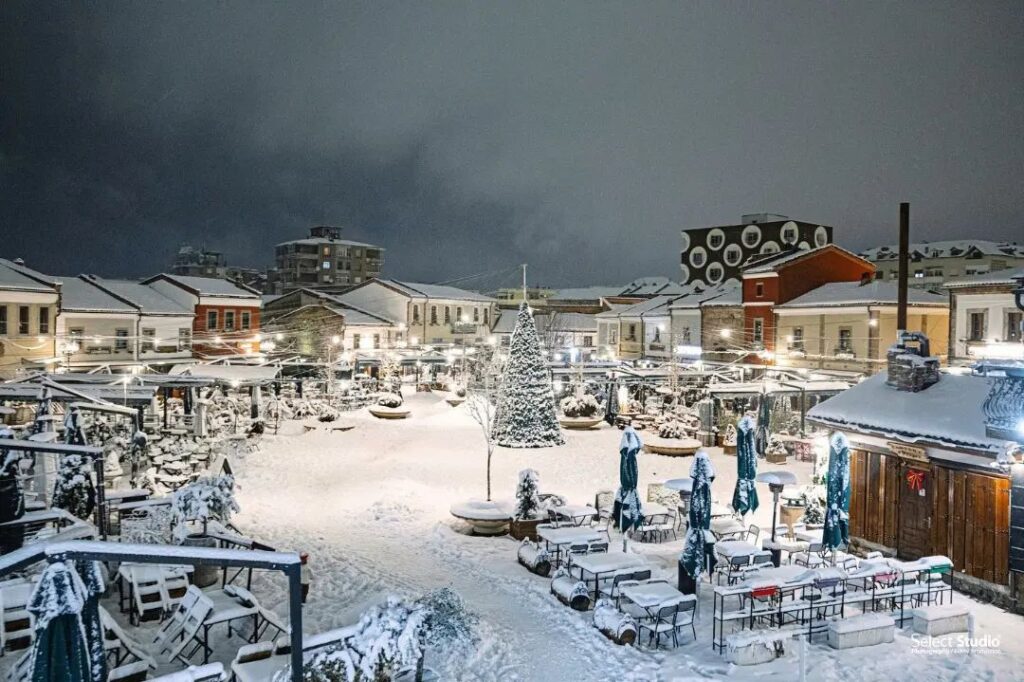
(209, 498)
(74, 490)
(776, 447)
(526, 403)
(583, 406)
(671, 429)
(814, 505)
(391, 400)
(729, 439)
(527, 495)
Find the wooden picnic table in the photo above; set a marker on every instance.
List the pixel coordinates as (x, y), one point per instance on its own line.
(604, 564)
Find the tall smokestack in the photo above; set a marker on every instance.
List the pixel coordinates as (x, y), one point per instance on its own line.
(901, 298)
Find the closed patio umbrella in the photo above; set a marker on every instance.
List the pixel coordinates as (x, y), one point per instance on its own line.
(59, 652)
(697, 555)
(744, 499)
(837, 495)
(12, 497)
(92, 580)
(764, 416)
(626, 510)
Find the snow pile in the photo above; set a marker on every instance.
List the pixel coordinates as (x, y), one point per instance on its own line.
(392, 400)
(671, 429)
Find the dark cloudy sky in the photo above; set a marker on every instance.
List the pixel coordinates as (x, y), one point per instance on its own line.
(579, 137)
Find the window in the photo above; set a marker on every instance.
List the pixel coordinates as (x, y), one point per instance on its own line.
(447, 315)
(613, 336)
(44, 320)
(894, 274)
(588, 341)
(357, 340)
(326, 265)
(121, 339)
(657, 335)
(458, 314)
(933, 272)
(845, 339)
(715, 273)
(631, 332)
(246, 319)
(184, 338)
(376, 340)
(759, 289)
(751, 236)
(758, 330)
(487, 316)
(789, 234)
(476, 315)
(23, 320)
(327, 251)
(415, 314)
(976, 325)
(76, 333)
(433, 314)
(148, 339)
(211, 319)
(1013, 322)
(229, 320)
(716, 239)
(697, 259)
(918, 274)
(732, 255)
(798, 338)
(3, 320)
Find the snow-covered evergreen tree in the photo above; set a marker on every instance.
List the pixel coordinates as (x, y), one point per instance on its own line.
(527, 498)
(208, 498)
(526, 404)
(74, 490)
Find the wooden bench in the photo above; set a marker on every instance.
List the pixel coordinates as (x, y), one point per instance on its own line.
(940, 619)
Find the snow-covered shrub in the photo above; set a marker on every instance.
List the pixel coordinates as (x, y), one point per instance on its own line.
(460, 392)
(74, 490)
(776, 446)
(814, 509)
(527, 499)
(209, 498)
(671, 429)
(392, 400)
(448, 622)
(154, 528)
(582, 406)
(729, 439)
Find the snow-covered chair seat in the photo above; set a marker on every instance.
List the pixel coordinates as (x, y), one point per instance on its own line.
(941, 619)
(253, 663)
(16, 626)
(130, 672)
(211, 672)
(864, 630)
(117, 644)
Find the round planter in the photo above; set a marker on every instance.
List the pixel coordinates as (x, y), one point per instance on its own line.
(579, 423)
(381, 412)
(673, 447)
(203, 576)
(455, 401)
(486, 518)
(729, 449)
(522, 529)
(789, 514)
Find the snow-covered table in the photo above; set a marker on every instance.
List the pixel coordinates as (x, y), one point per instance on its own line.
(557, 538)
(650, 509)
(486, 517)
(726, 526)
(653, 595)
(720, 510)
(773, 575)
(604, 564)
(578, 514)
(734, 548)
(809, 535)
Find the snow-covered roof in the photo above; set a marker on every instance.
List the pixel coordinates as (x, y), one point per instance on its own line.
(17, 277)
(585, 293)
(80, 295)
(775, 261)
(357, 317)
(953, 248)
(267, 298)
(614, 310)
(855, 293)
(658, 305)
(571, 322)
(729, 289)
(728, 296)
(324, 240)
(948, 413)
(246, 374)
(441, 291)
(652, 286)
(208, 286)
(145, 298)
(1007, 276)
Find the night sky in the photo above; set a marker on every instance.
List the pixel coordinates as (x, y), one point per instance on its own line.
(468, 138)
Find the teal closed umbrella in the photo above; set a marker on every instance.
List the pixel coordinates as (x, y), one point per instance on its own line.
(696, 552)
(837, 494)
(59, 652)
(626, 510)
(764, 416)
(92, 580)
(744, 498)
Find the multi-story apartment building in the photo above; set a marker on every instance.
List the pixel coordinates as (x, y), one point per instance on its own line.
(984, 320)
(712, 255)
(932, 263)
(29, 302)
(193, 262)
(227, 314)
(323, 260)
(850, 326)
(432, 314)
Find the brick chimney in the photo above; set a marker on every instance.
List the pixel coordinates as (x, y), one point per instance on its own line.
(911, 365)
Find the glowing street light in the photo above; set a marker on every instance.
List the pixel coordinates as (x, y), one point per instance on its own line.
(725, 333)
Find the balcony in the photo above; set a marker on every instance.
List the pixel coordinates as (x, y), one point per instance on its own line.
(1004, 406)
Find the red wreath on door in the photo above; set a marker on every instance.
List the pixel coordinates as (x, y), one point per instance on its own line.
(915, 480)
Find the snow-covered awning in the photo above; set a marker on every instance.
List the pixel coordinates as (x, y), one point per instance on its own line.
(242, 374)
(776, 388)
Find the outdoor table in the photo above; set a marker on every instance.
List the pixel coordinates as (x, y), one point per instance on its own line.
(41, 518)
(227, 609)
(781, 545)
(650, 509)
(559, 537)
(720, 510)
(809, 535)
(604, 564)
(654, 595)
(578, 514)
(775, 574)
(683, 485)
(726, 526)
(732, 548)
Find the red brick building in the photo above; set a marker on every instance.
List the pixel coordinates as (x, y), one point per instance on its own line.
(227, 314)
(777, 278)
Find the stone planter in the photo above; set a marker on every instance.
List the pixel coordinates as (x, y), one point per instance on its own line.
(579, 423)
(776, 458)
(672, 447)
(455, 401)
(381, 412)
(522, 529)
(203, 576)
(486, 518)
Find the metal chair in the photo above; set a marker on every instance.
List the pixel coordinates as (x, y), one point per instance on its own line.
(670, 620)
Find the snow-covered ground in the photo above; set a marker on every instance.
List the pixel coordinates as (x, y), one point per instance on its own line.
(371, 505)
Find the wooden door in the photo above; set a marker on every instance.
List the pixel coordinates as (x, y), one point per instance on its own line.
(914, 535)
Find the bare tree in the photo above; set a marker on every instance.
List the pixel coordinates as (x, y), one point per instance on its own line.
(482, 403)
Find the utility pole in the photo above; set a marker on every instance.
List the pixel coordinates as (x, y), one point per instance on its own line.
(524, 282)
(904, 266)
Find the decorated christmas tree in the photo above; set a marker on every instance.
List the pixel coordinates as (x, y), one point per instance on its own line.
(527, 499)
(526, 404)
(74, 490)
